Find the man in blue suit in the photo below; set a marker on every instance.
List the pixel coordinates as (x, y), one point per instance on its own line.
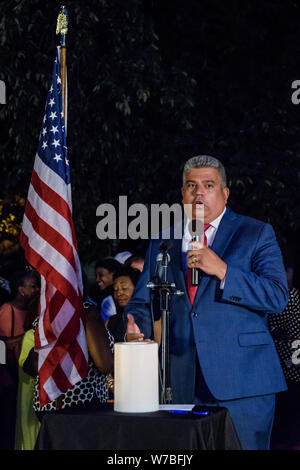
(221, 352)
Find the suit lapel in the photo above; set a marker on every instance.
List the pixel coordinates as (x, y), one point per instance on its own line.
(226, 230)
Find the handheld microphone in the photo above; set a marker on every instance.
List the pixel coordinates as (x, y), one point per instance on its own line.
(196, 273)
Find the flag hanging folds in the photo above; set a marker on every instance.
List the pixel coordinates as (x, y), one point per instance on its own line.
(50, 246)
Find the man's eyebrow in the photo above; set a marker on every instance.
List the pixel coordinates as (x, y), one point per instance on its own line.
(204, 181)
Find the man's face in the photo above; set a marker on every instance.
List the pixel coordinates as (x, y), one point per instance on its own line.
(203, 186)
(104, 278)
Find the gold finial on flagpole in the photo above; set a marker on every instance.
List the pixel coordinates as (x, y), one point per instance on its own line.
(62, 21)
(62, 29)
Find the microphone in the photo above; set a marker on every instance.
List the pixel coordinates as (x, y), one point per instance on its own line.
(196, 227)
(165, 246)
(196, 276)
(162, 260)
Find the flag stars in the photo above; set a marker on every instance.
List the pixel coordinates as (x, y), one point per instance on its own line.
(52, 146)
(54, 129)
(57, 157)
(56, 143)
(53, 115)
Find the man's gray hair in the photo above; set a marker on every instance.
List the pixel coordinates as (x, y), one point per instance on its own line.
(206, 161)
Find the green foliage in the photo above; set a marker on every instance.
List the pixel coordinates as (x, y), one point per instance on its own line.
(124, 108)
(151, 84)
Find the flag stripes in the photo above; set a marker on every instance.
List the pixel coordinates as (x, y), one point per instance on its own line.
(49, 242)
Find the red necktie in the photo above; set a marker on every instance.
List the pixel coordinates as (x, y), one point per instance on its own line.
(192, 290)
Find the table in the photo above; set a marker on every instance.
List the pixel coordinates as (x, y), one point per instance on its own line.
(104, 429)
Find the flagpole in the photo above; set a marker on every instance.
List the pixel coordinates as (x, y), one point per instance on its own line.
(62, 29)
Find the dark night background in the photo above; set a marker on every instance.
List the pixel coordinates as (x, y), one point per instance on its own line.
(152, 83)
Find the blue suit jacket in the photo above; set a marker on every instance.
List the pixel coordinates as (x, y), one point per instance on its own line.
(227, 328)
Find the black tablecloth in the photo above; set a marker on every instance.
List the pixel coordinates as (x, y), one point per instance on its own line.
(105, 429)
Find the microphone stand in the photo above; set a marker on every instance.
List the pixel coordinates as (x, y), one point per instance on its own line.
(165, 289)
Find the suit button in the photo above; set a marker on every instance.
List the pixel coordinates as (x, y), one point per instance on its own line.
(194, 314)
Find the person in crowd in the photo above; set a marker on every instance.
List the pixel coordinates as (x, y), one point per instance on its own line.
(5, 291)
(285, 329)
(91, 390)
(108, 306)
(135, 262)
(125, 281)
(25, 288)
(221, 351)
(122, 256)
(27, 423)
(105, 268)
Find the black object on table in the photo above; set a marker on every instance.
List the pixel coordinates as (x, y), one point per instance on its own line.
(104, 429)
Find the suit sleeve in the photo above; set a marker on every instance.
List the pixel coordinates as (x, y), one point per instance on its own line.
(260, 285)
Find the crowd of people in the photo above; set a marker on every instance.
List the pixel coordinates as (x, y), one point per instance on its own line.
(104, 301)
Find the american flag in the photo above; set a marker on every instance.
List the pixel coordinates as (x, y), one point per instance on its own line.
(49, 241)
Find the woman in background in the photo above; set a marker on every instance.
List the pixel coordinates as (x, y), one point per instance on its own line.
(124, 282)
(27, 423)
(25, 288)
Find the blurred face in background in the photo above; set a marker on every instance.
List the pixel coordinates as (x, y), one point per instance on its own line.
(104, 278)
(137, 265)
(123, 289)
(30, 290)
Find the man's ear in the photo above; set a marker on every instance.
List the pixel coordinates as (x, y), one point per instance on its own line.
(226, 193)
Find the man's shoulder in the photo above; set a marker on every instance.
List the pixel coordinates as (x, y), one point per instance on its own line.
(245, 220)
(175, 232)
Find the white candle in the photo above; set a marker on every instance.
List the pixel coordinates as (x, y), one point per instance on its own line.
(136, 377)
